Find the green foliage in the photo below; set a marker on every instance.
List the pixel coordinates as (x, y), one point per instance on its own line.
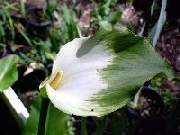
(71, 27)
(169, 101)
(56, 122)
(68, 29)
(51, 6)
(31, 126)
(158, 80)
(6, 22)
(106, 14)
(22, 8)
(56, 39)
(8, 74)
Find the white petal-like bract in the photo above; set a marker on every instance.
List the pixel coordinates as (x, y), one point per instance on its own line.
(81, 77)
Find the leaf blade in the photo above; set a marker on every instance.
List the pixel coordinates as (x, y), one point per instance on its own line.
(8, 74)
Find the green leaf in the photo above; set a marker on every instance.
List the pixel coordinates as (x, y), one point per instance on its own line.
(2, 32)
(8, 71)
(68, 15)
(71, 26)
(31, 126)
(57, 123)
(105, 25)
(114, 17)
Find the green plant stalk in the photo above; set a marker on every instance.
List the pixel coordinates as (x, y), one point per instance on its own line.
(101, 126)
(83, 126)
(22, 8)
(42, 117)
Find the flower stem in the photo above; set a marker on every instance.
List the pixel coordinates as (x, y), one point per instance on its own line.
(42, 117)
(83, 126)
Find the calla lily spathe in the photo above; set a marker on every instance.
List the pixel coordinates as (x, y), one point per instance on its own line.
(98, 75)
(80, 77)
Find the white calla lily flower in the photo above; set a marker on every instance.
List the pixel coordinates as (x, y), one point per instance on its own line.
(74, 80)
(98, 75)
